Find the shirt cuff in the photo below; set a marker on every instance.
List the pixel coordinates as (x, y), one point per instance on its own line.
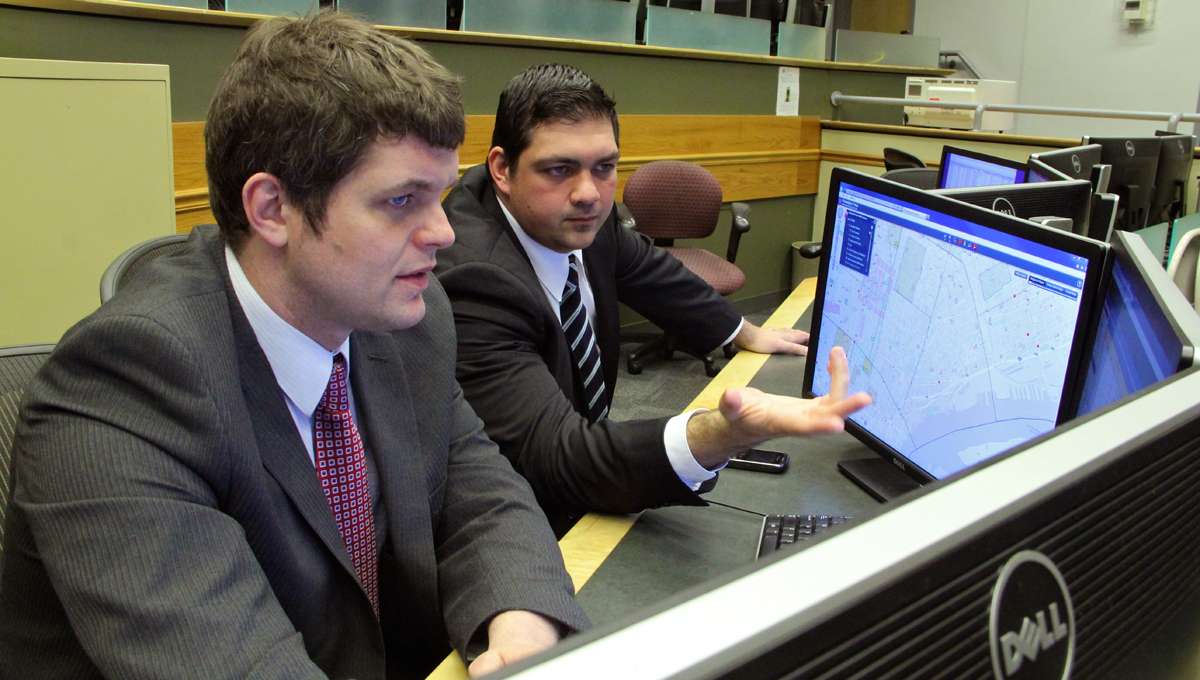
(741, 322)
(679, 454)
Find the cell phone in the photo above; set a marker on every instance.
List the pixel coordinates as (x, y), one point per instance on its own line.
(759, 460)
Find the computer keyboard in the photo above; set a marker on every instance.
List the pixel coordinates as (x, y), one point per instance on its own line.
(781, 530)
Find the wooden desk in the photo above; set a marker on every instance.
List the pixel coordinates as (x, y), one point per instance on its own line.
(594, 537)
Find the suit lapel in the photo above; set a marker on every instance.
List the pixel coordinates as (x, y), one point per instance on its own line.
(598, 260)
(382, 396)
(279, 444)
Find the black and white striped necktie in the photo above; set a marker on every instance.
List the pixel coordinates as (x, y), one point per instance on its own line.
(584, 350)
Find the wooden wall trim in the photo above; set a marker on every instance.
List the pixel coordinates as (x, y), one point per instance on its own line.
(753, 157)
(965, 135)
(153, 12)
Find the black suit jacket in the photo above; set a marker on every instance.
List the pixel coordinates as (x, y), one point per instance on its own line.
(515, 366)
(167, 521)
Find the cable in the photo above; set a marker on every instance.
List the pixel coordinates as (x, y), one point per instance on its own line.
(734, 507)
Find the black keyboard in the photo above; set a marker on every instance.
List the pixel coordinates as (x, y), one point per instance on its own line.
(781, 530)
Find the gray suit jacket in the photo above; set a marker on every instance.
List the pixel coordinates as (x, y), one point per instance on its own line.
(166, 519)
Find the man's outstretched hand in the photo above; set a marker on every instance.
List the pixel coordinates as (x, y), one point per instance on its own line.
(747, 416)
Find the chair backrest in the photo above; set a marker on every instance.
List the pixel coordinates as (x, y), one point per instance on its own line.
(673, 199)
(921, 178)
(1184, 266)
(895, 159)
(17, 366)
(130, 264)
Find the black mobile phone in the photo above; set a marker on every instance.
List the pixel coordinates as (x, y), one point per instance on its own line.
(762, 461)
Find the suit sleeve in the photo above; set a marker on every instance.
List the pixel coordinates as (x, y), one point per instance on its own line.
(573, 466)
(118, 468)
(495, 550)
(660, 288)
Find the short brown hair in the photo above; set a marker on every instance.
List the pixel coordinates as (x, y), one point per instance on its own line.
(304, 99)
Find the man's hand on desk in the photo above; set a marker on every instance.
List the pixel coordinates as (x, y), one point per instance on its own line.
(771, 340)
(747, 416)
(512, 636)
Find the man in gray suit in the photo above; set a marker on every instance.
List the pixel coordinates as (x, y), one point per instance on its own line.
(256, 461)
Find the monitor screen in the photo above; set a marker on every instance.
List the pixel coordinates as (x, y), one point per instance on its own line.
(1042, 172)
(1147, 330)
(966, 168)
(963, 324)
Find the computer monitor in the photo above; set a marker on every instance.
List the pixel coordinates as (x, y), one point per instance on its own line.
(1042, 172)
(1103, 217)
(1134, 162)
(1172, 178)
(1071, 556)
(1075, 162)
(967, 168)
(1070, 199)
(965, 325)
(1147, 330)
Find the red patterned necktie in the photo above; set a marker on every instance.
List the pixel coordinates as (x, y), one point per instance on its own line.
(342, 471)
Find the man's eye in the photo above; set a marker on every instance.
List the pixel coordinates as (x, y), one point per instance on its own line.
(558, 170)
(400, 201)
(606, 168)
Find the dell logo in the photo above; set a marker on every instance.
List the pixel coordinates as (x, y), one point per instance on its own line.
(1035, 635)
(1129, 150)
(1076, 164)
(1032, 624)
(1003, 205)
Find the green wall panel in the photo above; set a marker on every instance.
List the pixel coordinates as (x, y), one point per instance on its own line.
(640, 84)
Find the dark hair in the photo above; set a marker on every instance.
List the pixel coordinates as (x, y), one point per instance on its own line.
(546, 93)
(304, 99)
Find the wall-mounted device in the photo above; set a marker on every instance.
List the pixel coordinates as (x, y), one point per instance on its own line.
(962, 90)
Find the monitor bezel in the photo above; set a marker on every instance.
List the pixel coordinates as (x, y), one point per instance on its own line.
(1044, 168)
(1178, 311)
(1094, 251)
(948, 150)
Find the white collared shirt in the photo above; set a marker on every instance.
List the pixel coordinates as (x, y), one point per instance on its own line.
(300, 364)
(551, 266)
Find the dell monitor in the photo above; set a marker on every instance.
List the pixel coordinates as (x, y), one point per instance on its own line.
(1076, 162)
(1069, 199)
(1147, 330)
(1072, 556)
(967, 168)
(965, 325)
(1134, 162)
(1043, 172)
(1172, 178)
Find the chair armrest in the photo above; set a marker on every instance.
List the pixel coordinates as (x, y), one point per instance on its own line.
(739, 224)
(625, 217)
(810, 250)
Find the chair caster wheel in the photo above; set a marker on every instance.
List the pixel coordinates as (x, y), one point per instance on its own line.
(633, 369)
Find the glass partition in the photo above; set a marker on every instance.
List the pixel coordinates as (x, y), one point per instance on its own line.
(667, 27)
(417, 13)
(586, 19)
(869, 47)
(286, 7)
(801, 42)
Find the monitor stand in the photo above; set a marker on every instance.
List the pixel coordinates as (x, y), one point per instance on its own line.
(878, 477)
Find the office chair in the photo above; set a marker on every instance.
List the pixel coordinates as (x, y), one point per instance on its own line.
(17, 366)
(1184, 265)
(895, 159)
(921, 178)
(130, 264)
(677, 199)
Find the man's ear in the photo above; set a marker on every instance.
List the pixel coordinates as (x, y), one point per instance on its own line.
(267, 208)
(500, 170)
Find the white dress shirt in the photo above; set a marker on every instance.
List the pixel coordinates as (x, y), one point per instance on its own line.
(300, 364)
(551, 269)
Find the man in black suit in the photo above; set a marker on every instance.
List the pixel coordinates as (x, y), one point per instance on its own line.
(534, 277)
(256, 462)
